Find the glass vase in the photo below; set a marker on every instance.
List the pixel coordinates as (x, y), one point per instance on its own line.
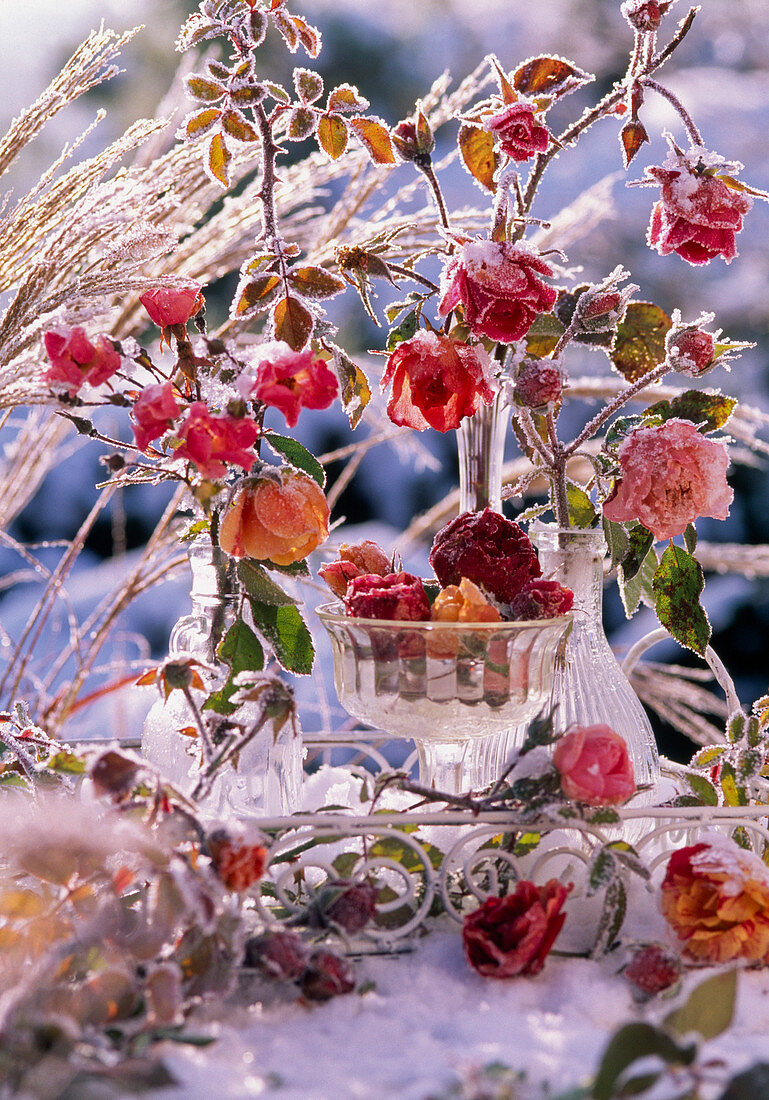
(589, 686)
(267, 778)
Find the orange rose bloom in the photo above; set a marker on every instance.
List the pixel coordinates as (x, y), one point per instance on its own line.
(280, 521)
(464, 603)
(715, 896)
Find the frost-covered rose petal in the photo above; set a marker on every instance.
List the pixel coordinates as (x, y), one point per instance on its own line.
(75, 359)
(169, 305)
(692, 352)
(463, 603)
(513, 935)
(398, 596)
(276, 521)
(517, 131)
(594, 765)
(539, 383)
(154, 411)
(436, 382)
(488, 549)
(715, 897)
(671, 475)
(698, 215)
(499, 285)
(354, 561)
(210, 441)
(289, 380)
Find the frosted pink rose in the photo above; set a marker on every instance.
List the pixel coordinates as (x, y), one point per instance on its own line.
(518, 132)
(173, 305)
(211, 441)
(697, 215)
(436, 382)
(594, 765)
(498, 285)
(154, 412)
(693, 352)
(671, 475)
(289, 380)
(76, 360)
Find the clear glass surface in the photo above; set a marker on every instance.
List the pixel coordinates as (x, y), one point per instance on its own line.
(444, 685)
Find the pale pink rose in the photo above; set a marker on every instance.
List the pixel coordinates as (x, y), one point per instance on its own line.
(75, 359)
(173, 305)
(154, 412)
(594, 765)
(499, 286)
(671, 475)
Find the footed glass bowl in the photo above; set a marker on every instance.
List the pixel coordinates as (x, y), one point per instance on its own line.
(442, 684)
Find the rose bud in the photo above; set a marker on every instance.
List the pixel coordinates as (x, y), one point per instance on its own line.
(513, 935)
(538, 384)
(169, 305)
(326, 975)
(353, 907)
(594, 765)
(154, 411)
(413, 139)
(692, 352)
(276, 520)
(280, 954)
(541, 599)
(517, 131)
(238, 863)
(488, 549)
(398, 596)
(354, 561)
(653, 969)
(645, 15)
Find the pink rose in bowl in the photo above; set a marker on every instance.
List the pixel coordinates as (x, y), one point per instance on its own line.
(499, 285)
(594, 766)
(671, 475)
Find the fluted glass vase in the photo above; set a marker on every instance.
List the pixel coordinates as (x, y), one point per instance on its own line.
(266, 779)
(589, 687)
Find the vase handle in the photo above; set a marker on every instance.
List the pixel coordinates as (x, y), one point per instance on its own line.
(711, 657)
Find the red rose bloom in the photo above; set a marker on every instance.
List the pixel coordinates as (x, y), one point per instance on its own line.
(498, 285)
(398, 596)
(693, 352)
(289, 380)
(513, 935)
(539, 383)
(697, 215)
(488, 549)
(171, 305)
(326, 975)
(154, 412)
(75, 360)
(594, 765)
(518, 132)
(436, 382)
(210, 441)
(541, 599)
(354, 561)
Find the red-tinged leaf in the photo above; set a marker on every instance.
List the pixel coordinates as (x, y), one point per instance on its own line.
(632, 135)
(332, 136)
(293, 323)
(277, 91)
(346, 98)
(308, 35)
(257, 294)
(148, 678)
(505, 87)
(544, 334)
(201, 122)
(257, 22)
(248, 96)
(238, 128)
(301, 124)
(639, 344)
(315, 282)
(194, 31)
(284, 24)
(308, 85)
(356, 392)
(219, 158)
(550, 76)
(476, 147)
(376, 138)
(207, 91)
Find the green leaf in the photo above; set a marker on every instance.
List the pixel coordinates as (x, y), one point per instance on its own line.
(735, 727)
(707, 757)
(703, 788)
(582, 511)
(631, 1043)
(285, 630)
(709, 1008)
(639, 344)
(603, 868)
(259, 586)
(298, 456)
(690, 538)
(242, 651)
(296, 569)
(710, 411)
(734, 792)
(617, 540)
(67, 763)
(404, 331)
(526, 843)
(612, 917)
(543, 335)
(632, 592)
(640, 542)
(677, 585)
(753, 1084)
